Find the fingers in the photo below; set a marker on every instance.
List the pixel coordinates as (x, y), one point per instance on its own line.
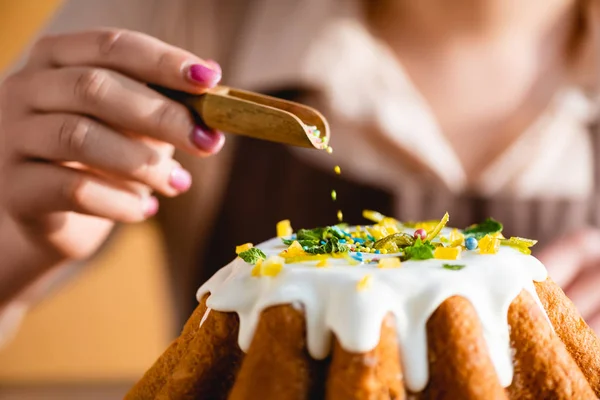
(65, 189)
(139, 56)
(68, 137)
(121, 103)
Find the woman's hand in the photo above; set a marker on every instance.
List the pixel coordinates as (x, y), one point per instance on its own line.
(87, 142)
(574, 264)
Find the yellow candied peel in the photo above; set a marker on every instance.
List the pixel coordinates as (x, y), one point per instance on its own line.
(456, 238)
(323, 263)
(521, 244)
(256, 270)
(307, 258)
(438, 228)
(284, 228)
(373, 215)
(489, 244)
(447, 253)
(272, 266)
(295, 250)
(378, 232)
(364, 283)
(243, 247)
(389, 262)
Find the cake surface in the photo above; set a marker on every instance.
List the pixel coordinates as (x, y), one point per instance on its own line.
(381, 312)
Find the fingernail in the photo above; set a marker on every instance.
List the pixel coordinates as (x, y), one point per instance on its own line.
(180, 179)
(215, 65)
(204, 75)
(150, 206)
(208, 140)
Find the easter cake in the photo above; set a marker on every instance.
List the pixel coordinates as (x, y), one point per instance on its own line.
(388, 310)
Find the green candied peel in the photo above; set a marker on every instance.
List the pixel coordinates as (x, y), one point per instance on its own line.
(252, 255)
(487, 227)
(436, 231)
(453, 267)
(320, 240)
(400, 239)
(518, 243)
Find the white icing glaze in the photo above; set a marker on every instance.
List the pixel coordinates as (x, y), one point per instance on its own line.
(332, 303)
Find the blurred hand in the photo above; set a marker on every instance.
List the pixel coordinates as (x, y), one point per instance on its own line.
(87, 141)
(574, 264)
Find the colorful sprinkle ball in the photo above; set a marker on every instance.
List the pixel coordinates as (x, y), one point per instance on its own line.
(471, 243)
(337, 169)
(420, 233)
(315, 136)
(333, 195)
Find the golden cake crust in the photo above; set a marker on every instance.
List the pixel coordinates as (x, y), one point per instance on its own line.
(207, 363)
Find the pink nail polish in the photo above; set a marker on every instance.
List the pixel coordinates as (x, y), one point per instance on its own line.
(215, 65)
(207, 140)
(150, 206)
(204, 75)
(180, 179)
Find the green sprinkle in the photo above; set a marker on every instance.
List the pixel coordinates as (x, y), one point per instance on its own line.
(419, 250)
(333, 195)
(487, 227)
(252, 255)
(454, 267)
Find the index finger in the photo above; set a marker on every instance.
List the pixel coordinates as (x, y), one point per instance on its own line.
(134, 54)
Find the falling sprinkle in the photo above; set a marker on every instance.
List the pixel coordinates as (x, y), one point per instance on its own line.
(333, 195)
(337, 169)
(329, 149)
(364, 283)
(340, 215)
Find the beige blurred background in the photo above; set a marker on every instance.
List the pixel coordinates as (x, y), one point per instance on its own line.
(101, 330)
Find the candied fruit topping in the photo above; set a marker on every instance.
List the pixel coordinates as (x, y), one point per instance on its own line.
(438, 228)
(378, 231)
(256, 271)
(447, 253)
(295, 250)
(272, 266)
(284, 228)
(456, 238)
(489, 244)
(243, 247)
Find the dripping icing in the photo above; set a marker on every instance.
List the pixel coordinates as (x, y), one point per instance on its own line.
(332, 305)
